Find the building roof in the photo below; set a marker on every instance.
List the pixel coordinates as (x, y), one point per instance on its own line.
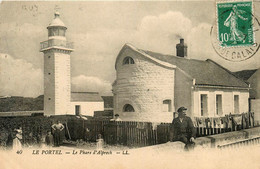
(245, 74)
(86, 97)
(162, 63)
(207, 72)
(204, 72)
(56, 22)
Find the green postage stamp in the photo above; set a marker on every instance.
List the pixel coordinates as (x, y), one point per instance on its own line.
(235, 24)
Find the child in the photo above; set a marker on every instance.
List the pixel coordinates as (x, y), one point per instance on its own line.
(100, 142)
(49, 139)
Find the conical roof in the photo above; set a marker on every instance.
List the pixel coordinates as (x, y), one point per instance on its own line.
(56, 22)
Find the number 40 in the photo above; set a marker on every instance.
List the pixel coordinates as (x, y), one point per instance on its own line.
(224, 37)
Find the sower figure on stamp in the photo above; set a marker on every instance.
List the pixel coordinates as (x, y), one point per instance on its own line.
(183, 129)
(57, 129)
(232, 22)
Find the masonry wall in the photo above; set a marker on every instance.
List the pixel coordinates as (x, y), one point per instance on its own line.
(144, 85)
(49, 84)
(183, 93)
(86, 108)
(56, 82)
(227, 101)
(62, 83)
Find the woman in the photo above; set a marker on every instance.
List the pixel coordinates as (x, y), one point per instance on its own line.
(17, 145)
(232, 22)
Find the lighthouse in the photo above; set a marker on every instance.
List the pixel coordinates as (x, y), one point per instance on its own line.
(57, 85)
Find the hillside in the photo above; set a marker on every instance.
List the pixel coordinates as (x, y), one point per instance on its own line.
(15, 103)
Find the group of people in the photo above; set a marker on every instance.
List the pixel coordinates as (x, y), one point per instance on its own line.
(16, 141)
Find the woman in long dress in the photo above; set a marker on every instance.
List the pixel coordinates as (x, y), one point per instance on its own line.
(17, 145)
(232, 22)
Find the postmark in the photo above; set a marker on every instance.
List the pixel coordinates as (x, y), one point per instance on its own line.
(235, 34)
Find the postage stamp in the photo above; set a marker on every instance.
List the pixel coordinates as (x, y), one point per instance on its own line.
(235, 24)
(235, 33)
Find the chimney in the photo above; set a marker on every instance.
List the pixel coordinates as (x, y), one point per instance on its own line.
(181, 49)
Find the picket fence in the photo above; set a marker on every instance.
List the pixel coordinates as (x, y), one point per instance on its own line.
(127, 133)
(132, 133)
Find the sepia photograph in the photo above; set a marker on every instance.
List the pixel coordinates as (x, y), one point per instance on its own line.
(130, 84)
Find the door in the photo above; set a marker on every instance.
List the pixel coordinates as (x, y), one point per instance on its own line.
(77, 110)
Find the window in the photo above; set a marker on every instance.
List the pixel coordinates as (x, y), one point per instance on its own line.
(236, 103)
(49, 57)
(218, 104)
(61, 32)
(128, 108)
(49, 73)
(204, 104)
(55, 31)
(128, 60)
(167, 106)
(77, 110)
(49, 32)
(49, 98)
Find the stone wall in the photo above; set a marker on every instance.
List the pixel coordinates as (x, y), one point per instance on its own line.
(144, 85)
(226, 138)
(56, 82)
(49, 81)
(183, 91)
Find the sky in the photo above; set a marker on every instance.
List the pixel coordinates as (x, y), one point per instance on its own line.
(99, 30)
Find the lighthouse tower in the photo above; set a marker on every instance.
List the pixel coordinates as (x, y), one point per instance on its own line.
(57, 86)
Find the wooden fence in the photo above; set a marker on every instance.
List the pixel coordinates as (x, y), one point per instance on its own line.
(127, 133)
(136, 134)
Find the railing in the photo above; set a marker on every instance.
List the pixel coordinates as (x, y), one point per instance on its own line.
(56, 43)
(242, 143)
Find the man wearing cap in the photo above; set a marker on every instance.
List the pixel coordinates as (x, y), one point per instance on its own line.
(183, 129)
(116, 118)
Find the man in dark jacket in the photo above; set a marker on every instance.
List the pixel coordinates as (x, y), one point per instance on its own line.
(183, 129)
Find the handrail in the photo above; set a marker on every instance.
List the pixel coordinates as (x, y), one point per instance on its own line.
(56, 43)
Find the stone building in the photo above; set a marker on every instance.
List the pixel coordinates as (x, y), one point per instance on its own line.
(151, 86)
(58, 98)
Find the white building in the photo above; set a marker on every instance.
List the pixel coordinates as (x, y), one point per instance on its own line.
(58, 99)
(151, 86)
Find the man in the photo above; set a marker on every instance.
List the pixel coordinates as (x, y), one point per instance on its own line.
(116, 118)
(183, 129)
(57, 128)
